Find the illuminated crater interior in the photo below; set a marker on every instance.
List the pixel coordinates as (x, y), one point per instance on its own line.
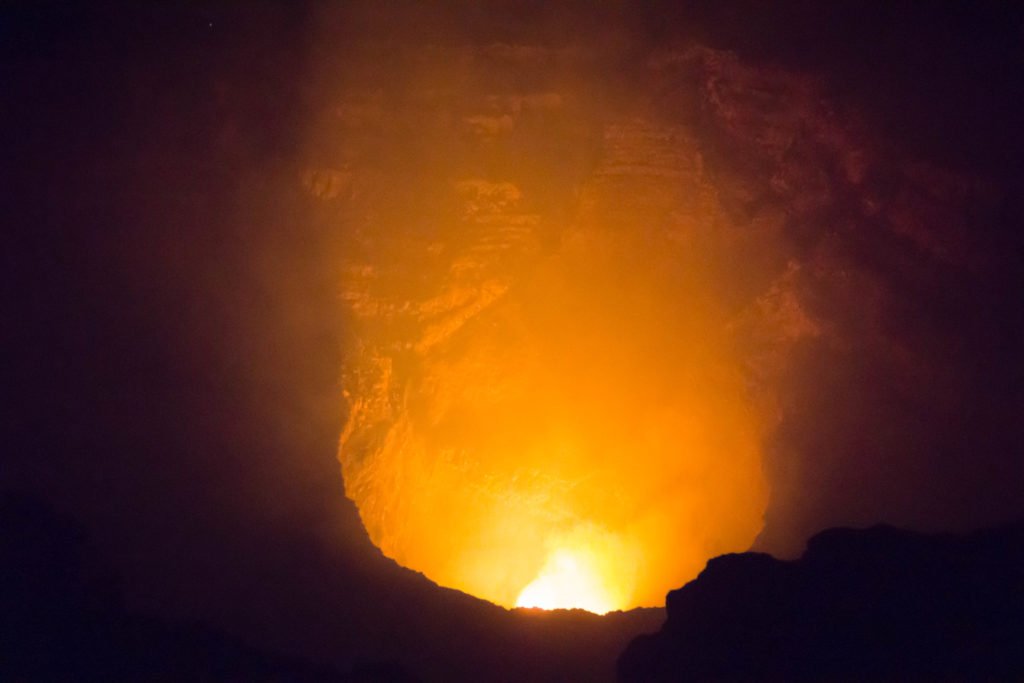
(547, 406)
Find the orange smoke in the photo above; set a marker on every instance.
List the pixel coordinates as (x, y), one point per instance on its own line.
(561, 424)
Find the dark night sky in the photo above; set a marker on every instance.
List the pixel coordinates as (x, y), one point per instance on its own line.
(172, 334)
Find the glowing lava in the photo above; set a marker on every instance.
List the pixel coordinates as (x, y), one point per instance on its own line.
(571, 580)
(567, 581)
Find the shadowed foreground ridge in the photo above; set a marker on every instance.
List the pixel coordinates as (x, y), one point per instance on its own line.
(874, 604)
(62, 619)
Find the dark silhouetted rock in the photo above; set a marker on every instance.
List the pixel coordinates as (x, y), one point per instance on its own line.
(860, 605)
(61, 619)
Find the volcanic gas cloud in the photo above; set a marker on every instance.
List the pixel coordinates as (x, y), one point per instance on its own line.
(549, 398)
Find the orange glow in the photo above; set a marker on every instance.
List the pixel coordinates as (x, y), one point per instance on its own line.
(567, 581)
(590, 573)
(554, 423)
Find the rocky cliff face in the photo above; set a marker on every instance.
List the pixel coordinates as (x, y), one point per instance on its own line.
(565, 292)
(869, 605)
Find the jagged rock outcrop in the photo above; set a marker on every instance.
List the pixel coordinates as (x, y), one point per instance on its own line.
(878, 604)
